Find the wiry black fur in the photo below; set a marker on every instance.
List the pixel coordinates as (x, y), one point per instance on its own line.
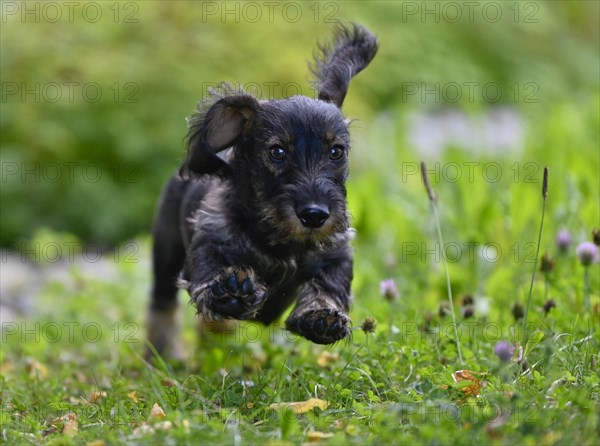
(251, 233)
(353, 50)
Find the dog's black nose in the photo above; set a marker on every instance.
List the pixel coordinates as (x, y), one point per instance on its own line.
(313, 216)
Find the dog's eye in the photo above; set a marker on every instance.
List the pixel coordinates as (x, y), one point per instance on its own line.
(336, 153)
(277, 153)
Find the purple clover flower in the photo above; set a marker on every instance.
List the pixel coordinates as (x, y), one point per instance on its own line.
(388, 289)
(588, 253)
(504, 350)
(563, 240)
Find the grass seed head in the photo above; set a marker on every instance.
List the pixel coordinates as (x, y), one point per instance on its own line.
(467, 300)
(444, 309)
(468, 311)
(545, 183)
(428, 188)
(596, 236)
(368, 325)
(548, 305)
(547, 264)
(517, 311)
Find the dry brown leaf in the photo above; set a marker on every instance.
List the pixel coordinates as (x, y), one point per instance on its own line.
(168, 383)
(164, 425)
(494, 427)
(302, 406)
(143, 429)
(96, 396)
(133, 396)
(6, 367)
(326, 358)
(81, 377)
(474, 389)
(339, 424)
(36, 369)
(156, 413)
(77, 400)
(316, 435)
(70, 424)
(469, 385)
(52, 429)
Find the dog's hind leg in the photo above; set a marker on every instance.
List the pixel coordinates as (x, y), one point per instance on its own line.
(168, 256)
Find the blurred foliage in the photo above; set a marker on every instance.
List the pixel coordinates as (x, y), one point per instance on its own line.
(95, 167)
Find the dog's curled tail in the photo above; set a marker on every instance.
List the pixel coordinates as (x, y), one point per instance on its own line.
(352, 49)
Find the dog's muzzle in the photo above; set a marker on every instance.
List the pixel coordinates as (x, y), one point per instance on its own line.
(312, 216)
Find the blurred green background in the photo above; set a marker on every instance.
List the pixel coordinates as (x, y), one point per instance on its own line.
(95, 95)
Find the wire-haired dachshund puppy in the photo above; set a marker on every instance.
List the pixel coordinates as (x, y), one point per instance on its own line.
(256, 219)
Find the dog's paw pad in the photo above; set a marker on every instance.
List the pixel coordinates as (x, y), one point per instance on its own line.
(322, 326)
(217, 289)
(236, 293)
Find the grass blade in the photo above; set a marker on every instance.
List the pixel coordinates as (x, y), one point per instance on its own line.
(537, 254)
(433, 201)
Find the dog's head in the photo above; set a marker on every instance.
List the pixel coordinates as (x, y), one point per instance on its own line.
(290, 156)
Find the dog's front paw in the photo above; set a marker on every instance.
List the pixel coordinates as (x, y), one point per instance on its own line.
(322, 326)
(235, 293)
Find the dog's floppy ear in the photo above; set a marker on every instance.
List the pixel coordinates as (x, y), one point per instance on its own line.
(352, 50)
(227, 120)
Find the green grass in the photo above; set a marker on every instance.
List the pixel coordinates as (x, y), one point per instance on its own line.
(383, 388)
(392, 386)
